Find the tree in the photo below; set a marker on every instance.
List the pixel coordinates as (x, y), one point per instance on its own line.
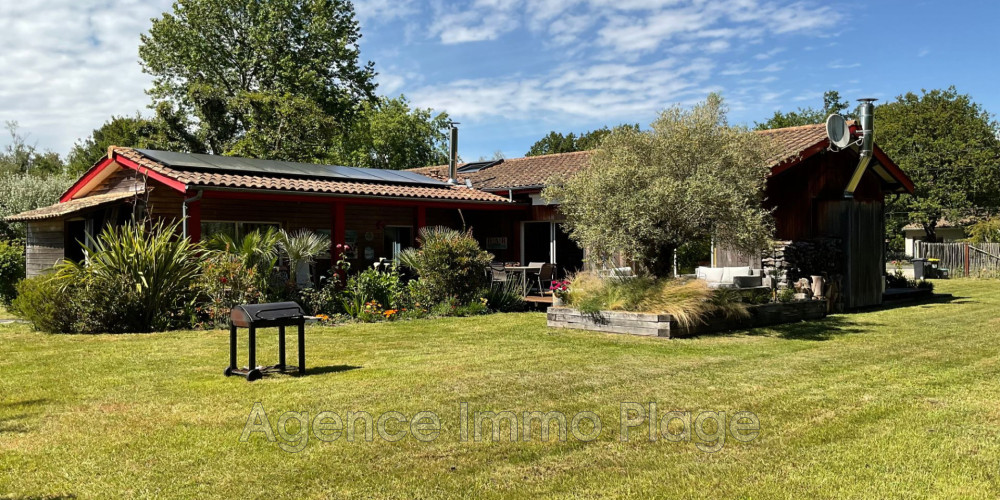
(389, 134)
(20, 157)
(808, 116)
(556, 142)
(691, 177)
(128, 131)
(22, 192)
(277, 80)
(948, 145)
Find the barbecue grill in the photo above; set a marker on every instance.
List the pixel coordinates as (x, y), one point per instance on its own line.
(254, 316)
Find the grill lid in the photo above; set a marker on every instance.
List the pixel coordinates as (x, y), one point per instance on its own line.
(248, 314)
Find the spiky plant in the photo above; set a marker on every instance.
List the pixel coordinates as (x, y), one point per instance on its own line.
(302, 247)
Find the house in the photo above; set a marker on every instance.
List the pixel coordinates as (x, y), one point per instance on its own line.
(378, 212)
(945, 231)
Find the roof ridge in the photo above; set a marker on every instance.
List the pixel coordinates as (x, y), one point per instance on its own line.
(782, 129)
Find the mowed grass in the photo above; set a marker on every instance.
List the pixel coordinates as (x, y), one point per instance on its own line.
(893, 403)
(5, 314)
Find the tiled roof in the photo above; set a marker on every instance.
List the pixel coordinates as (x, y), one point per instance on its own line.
(60, 209)
(534, 171)
(283, 183)
(792, 142)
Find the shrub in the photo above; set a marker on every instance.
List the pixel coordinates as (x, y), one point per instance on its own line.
(504, 296)
(11, 270)
(449, 264)
(43, 302)
(323, 300)
(226, 282)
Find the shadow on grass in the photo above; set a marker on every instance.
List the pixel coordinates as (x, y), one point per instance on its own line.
(938, 298)
(319, 370)
(12, 423)
(821, 329)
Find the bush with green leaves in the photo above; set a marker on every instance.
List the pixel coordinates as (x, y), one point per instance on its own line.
(449, 263)
(137, 278)
(504, 296)
(385, 288)
(11, 270)
(144, 267)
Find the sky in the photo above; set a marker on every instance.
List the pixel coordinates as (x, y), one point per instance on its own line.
(510, 71)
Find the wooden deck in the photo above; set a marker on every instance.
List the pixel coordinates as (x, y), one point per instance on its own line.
(537, 303)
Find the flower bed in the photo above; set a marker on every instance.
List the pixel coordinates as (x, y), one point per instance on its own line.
(665, 325)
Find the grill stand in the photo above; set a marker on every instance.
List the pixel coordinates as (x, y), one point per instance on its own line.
(254, 372)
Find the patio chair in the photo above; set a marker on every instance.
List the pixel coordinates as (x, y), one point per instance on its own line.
(497, 272)
(545, 274)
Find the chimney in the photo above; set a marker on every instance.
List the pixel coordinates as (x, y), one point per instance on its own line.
(453, 156)
(867, 120)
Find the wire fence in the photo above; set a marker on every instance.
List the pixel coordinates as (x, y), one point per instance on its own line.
(962, 259)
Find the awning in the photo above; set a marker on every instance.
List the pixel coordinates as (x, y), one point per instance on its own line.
(69, 207)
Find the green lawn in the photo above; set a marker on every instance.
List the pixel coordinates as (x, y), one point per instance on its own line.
(5, 314)
(893, 403)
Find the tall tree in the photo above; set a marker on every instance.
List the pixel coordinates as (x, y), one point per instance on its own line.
(18, 156)
(948, 145)
(390, 134)
(279, 79)
(129, 131)
(556, 142)
(692, 176)
(808, 116)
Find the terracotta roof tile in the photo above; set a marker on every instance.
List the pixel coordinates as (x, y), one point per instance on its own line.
(533, 171)
(249, 181)
(60, 209)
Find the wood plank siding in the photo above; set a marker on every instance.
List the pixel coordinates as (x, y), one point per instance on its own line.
(44, 247)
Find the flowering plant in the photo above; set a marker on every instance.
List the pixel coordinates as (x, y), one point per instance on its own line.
(560, 288)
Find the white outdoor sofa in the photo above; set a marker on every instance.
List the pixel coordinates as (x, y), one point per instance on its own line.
(730, 277)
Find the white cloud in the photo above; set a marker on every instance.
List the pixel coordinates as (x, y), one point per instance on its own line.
(372, 11)
(68, 66)
(605, 91)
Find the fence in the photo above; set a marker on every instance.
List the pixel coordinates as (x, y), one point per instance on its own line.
(962, 259)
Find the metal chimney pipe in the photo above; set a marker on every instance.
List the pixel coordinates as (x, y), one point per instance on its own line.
(453, 156)
(867, 120)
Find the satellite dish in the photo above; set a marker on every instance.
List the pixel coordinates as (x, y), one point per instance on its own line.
(838, 131)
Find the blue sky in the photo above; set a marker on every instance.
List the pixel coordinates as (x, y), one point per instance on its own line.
(512, 70)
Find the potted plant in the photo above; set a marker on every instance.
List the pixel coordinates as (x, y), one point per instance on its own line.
(559, 288)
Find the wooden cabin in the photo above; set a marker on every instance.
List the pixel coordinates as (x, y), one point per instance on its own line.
(379, 212)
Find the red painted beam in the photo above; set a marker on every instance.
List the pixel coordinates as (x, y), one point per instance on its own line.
(83, 181)
(194, 219)
(333, 199)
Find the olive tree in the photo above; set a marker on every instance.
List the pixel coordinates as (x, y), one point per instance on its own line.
(690, 177)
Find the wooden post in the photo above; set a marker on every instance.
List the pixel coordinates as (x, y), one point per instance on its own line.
(966, 260)
(421, 217)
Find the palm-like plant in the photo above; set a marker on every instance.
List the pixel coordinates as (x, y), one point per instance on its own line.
(151, 268)
(302, 247)
(257, 249)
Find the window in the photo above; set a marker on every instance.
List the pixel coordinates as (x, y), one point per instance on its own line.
(235, 230)
(395, 239)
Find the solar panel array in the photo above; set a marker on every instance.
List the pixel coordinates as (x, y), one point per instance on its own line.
(235, 165)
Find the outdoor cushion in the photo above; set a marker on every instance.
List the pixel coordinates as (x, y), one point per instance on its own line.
(713, 274)
(729, 272)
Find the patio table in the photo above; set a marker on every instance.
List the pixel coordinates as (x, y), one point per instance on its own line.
(523, 270)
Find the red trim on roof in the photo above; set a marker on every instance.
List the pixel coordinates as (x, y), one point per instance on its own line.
(83, 181)
(893, 169)
(172, 183)
(791, 162)
(353, 200)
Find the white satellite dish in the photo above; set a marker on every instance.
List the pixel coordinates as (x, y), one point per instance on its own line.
(838, 131)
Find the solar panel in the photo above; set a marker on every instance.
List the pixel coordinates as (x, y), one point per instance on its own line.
(236, 165)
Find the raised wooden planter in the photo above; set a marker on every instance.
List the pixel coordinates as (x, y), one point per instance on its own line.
(664, 325)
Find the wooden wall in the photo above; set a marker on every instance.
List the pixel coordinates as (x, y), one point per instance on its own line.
(861, 228)
(44, 247)
(795, 193)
